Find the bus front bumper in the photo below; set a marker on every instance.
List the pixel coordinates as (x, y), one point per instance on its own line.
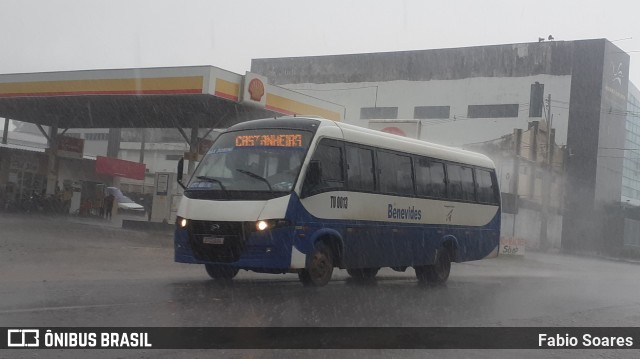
(263, 253)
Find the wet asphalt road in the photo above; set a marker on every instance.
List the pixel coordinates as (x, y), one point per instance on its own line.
(61, 272)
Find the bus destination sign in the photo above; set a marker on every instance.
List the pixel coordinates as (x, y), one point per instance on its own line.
(273, 140)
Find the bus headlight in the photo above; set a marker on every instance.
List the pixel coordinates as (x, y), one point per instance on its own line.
(182, 222)
(269, 224)
(262, 225)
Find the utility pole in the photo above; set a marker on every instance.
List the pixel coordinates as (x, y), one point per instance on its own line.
(517, 145)
(549, 127)
(546, 180)
(534, 128)
(143, 140)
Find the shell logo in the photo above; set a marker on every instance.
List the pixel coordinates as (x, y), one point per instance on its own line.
(256, 90)
(394, 130)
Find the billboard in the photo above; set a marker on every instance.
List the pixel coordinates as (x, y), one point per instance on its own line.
(119, 168)
(70, 147)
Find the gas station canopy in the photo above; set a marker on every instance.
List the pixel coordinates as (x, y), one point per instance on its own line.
(186, 97)
(180, 97)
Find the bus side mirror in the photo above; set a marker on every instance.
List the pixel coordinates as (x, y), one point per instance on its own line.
(180, 169)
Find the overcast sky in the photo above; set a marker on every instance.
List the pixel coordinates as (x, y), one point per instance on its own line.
(50, 35)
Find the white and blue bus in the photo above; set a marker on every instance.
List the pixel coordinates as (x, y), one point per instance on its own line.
(306, 195)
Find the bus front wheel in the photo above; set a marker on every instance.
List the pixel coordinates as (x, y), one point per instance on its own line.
(218, 272)
(438, 273)
(319, 267)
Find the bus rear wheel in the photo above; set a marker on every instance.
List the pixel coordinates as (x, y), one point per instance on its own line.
(222, 273)
(363, 273)
(438, 273)
(319, 267)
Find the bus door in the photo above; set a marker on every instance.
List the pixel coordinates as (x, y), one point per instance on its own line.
(395, 182)
(365, 242)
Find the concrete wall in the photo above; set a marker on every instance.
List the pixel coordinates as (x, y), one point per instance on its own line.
(528, 228)
(458, 129)
(513, 60)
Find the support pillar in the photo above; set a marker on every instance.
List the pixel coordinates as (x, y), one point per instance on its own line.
(193, 149)
(5, 133)
(517, 147)
(142, 144)
(113, 142)
(113, 149)
(52, 154)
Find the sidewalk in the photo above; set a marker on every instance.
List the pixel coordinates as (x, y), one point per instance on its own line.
(118, 221)
(124, 222)
(114, 222)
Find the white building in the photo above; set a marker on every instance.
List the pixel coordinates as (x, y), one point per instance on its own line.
(477, 94)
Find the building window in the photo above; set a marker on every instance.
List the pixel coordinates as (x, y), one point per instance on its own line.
(378, 113)
(173, 157)
(492, 111)
(96, 136)
(431, 112)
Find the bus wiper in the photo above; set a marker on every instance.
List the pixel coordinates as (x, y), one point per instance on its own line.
(211, 179)
(258, 177)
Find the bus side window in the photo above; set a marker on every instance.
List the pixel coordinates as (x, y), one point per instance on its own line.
(325, 171)
(394, 173)
(430, 180)
(495, 187)
(460, 180)
(360, 169)
(485, 187)
(454, 181)
(468, 186)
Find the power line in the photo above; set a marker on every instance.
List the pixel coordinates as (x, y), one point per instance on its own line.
(626, 38)
(625, 157)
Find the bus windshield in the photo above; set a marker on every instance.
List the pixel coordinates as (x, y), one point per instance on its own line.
(265, 162)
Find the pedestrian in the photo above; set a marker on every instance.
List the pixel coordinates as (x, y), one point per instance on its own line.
(148, 203)
(67, 194)
(108, 205)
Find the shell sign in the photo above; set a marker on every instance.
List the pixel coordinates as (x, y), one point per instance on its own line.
(254, 92)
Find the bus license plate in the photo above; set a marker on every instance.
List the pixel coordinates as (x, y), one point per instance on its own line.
(213, 240)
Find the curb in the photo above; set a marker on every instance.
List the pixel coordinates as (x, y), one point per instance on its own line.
(147, 226)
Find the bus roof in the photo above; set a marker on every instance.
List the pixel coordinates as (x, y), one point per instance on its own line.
(375, 138)
(390, 141)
